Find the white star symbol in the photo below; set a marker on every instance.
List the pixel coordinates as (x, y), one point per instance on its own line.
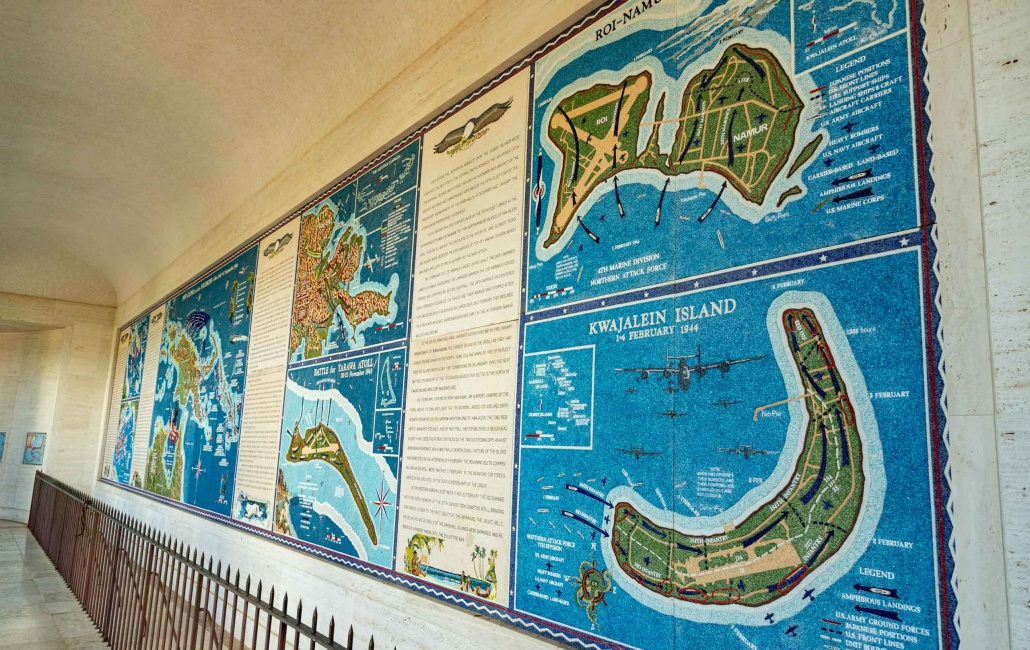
(645, 294)
(754, 272)
(697, 284)
(822, 258)
(904, 241)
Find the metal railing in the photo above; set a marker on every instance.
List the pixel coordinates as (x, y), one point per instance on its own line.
(144, 589)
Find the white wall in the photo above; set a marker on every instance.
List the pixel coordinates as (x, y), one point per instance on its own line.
(1001, 70)
(981, 302)
(53, 376)
(30, 369)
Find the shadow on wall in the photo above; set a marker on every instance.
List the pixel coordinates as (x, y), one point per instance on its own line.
(30, 372)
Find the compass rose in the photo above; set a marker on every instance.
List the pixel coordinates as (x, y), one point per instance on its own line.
(382, 504)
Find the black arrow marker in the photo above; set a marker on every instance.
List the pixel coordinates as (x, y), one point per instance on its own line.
(573, 516)
(841, 198)
(714, 203)
(587, 493)
(537, 189)
(686, 145)
(882, 613)
(590, 234)
(661, 199)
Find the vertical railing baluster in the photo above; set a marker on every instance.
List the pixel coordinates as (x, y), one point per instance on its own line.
(282, 623)
(268, 625)
(257, 619)
(243, 619)
(225, 603)
(204, 614)
(145, 590)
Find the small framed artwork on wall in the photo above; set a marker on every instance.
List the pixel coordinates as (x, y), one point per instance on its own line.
(34, 447)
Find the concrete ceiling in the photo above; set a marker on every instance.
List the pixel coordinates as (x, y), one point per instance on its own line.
(129, 129)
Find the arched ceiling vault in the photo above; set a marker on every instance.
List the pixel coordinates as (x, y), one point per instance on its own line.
(127, 130)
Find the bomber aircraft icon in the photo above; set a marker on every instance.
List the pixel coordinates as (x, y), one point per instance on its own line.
(682, 369)
(747, 451)
(369, 262)
(671, 414)
(725, 403)
(638, 452)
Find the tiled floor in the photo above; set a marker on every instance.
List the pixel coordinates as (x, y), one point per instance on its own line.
(37, 610)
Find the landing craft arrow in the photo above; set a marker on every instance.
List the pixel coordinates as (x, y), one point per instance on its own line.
(587, 493)
(714, 203)
(854, 195)
(618, 108)
(686, 145)
(575, 517)
(575, 139)
(590, 234)
(618, 201)
(661, 199)
(538, 190)
(879, 591)
(882, 613)
(865, 173)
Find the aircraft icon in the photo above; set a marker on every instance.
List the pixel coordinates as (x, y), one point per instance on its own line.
(747, 451)
(197, 469)
(632, 390)
(725, 403)
(672, 415)
(849, 127)
(769, 617)
(369, 261)
(808, 595)
(682, 369)
(873, 148)
(792, 630)
(638, 452)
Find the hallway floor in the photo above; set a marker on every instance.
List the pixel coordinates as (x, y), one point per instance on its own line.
(37, 610)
